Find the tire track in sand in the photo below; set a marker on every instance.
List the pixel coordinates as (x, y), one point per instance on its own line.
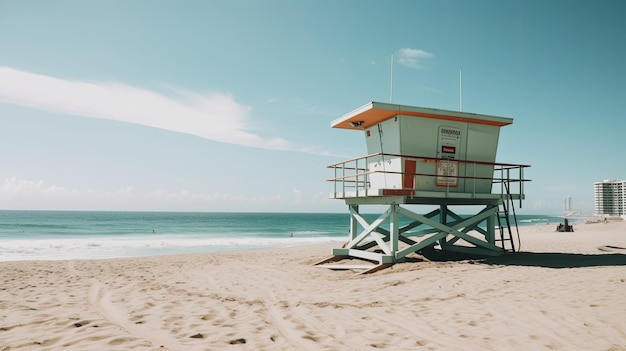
(280, 311)
(100, 299)
(272, 312)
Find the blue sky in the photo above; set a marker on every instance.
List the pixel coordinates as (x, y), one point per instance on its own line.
(226, 105)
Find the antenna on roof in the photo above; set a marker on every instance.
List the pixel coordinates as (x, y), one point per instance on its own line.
(391, 83)
(460, 90)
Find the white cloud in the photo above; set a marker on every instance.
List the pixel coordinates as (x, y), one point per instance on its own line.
(13, 187)
(214, 116)
(413, 58)
(297, 192)
(17, 194)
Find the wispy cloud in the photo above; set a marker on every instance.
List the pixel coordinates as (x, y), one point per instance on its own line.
(214, 116)
(413, 58)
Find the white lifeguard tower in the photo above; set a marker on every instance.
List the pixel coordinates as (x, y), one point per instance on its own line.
(429, 157)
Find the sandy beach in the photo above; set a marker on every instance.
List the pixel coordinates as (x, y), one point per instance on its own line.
(564, 291)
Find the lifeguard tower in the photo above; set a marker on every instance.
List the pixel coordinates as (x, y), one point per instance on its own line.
(434, 159)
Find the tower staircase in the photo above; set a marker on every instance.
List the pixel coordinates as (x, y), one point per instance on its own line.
(504, 214)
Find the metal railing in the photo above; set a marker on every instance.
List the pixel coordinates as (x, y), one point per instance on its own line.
(354, 177)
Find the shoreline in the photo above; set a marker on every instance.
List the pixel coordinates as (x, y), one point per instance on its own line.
(563, 292)
(75, 247)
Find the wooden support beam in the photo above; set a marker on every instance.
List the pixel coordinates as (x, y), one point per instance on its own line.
(451, 228)
(367, 227)
(421, 245)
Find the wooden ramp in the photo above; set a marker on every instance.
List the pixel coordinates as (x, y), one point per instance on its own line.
(364, 268)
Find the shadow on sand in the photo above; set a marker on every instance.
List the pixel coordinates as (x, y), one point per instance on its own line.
(558, 260)
(610, 256)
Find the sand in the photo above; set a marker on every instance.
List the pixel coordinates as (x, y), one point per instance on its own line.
(566, 291)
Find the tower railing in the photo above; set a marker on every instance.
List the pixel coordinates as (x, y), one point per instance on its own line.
(352, 178)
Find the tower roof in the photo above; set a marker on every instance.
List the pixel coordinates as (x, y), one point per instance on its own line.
(376, 112)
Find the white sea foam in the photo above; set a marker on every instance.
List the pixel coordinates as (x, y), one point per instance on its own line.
(79, 248)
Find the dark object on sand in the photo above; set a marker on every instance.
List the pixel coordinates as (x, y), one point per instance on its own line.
(565, 227)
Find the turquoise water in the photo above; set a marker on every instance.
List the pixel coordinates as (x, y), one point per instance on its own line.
(39, 235)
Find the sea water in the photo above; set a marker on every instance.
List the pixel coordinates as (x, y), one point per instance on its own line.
(52, 235)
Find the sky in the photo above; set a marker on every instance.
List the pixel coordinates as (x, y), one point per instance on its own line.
(226, 105)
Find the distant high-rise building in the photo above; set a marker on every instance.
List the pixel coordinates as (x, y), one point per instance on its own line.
(610, 198)
(568, 203)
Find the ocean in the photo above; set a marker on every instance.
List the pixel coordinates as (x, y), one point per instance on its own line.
(54, 235)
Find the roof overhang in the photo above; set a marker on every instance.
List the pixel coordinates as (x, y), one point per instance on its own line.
(376, 112)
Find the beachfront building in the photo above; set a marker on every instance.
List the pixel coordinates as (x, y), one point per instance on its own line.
(568, 203)
(438, 160)
(610, 198)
